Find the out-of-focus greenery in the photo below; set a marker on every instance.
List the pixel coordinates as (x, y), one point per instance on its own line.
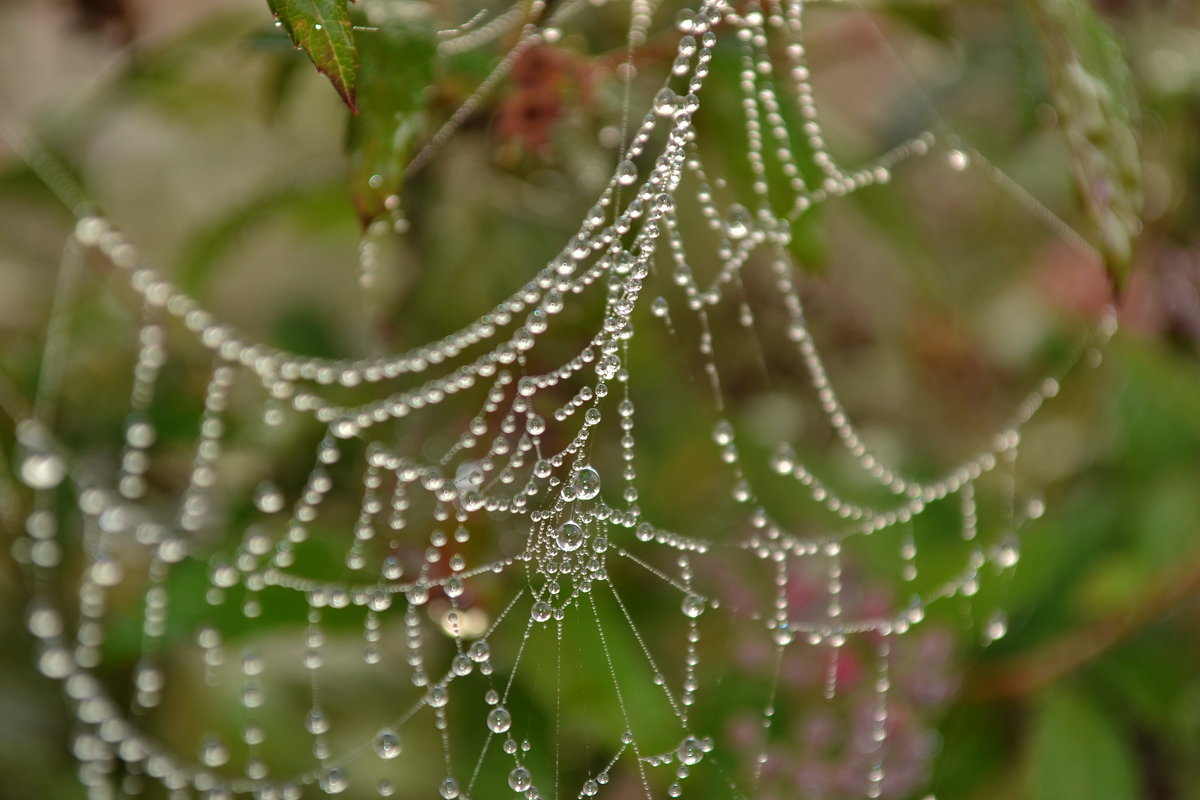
(937, 301)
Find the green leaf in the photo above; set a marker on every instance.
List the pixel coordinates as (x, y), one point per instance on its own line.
(1077, 753)
(1097, 107)
(397, 66)
(322, 29)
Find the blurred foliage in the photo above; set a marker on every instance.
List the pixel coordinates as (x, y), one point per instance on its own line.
(1098, 111)
(397, 66)
(936, 301)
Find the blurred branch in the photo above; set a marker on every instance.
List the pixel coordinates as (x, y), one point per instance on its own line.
(1027, 672)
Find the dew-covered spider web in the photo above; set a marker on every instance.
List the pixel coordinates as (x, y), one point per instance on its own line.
(467, 528)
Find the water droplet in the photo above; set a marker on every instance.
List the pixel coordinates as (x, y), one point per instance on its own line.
(784, 459)
(1036, 508)
(213, 753)
(106, 572)
(345, 428)
(541, 611)
(627, 173)
(438, 697)
(535, 424)
(334, 781)
(267, 498)
(317, 723)
(140, 434)
(499, 720)
(448, 789)
(738, 222)
(693, 605)
(392, 568)
(665, 102)
(586, 483)
(996, 627)
(608, 366)
(418, 595)
(479, 651)
(958, 160)
(45, 623)
(916, 611)
(723, 432)
(387, 744)
(519, 779)
(1008, 553)
(42, 470)
(570, 536)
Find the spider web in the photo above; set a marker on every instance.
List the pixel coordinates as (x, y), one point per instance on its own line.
(522, 546)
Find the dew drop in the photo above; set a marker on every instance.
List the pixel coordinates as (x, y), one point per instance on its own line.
(519, 779)
(723, 432)
(535, 424)
(438, 697)
(213, 753)
(627, 173)
(140, 434)
(267, 498)
(42, 470)
(392, 568)
(317, 723)
(1036, 508)
(570, 536)
(586, 483)
(784, 459)
(479, 651)
(738, 222)
(665, 102)
(334, 781)
(996, 627)
(1008, 553)
(387, 744)
(499, 720)
(541, 611)
(693, 605)
(608, 366)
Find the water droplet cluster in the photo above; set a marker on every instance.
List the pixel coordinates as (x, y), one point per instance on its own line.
(549, 459)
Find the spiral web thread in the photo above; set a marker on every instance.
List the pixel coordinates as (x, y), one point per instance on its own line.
(573, 519)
